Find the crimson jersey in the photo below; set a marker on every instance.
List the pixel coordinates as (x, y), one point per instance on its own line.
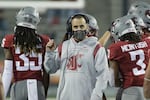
(26, 66)
(145, 35)
(132, 60)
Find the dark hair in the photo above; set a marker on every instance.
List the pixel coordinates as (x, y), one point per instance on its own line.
(145, 30)
(132, 37)
(27, 39)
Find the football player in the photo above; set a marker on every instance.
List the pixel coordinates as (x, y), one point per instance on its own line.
(128, 57)
(142, 9)
(24, 55)
(146, 85)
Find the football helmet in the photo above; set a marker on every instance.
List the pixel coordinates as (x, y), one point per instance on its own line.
(122, 26)
(92, 22)
(141, 9)
(28, 17)
(145, 15)
(138, 21)
(137, 5)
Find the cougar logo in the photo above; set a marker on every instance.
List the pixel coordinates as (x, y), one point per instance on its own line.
(73, 62)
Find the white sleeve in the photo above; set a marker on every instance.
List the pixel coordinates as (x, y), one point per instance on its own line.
(7, 75)
(51, 61)
(101, 65)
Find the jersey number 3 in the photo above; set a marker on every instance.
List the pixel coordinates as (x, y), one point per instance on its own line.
(140, 62)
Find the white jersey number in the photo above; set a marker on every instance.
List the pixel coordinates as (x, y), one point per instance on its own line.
(27, 64)
(140, 62)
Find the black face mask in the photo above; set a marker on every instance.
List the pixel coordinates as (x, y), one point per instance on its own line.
(79, 35)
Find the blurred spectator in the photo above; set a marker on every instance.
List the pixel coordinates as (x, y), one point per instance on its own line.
(3, 28)
(3, 24)
(58, 16)
(54, 16)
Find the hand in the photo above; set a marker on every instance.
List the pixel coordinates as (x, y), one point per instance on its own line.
(50, 45)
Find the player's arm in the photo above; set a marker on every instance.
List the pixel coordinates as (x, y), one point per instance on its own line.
(104, 39)
(115, 68)
(8, 70)
(146, 85)
(45, 81)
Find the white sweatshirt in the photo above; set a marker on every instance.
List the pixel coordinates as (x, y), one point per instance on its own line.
(83, 74)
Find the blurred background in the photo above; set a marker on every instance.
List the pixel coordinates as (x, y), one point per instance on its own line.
(54, 14)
